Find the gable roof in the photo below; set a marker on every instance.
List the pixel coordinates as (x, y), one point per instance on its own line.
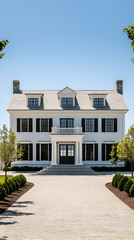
(50, 101)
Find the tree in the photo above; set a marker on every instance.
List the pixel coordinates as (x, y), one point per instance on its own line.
(8, 148)
(2, 46)
(130, 34)
(125, 149)
(113, 154)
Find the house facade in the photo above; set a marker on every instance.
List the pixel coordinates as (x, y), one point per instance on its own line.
(67, 126)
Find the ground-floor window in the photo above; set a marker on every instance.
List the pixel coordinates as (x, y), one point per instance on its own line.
(90, 152)
(43, 151)
(27, 151)
(106, 150)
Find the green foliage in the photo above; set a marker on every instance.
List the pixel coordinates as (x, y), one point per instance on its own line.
(131, 191)
(125, 149)
(113, 179)
(25, 168)
(128, 185)
(8, 148)
(11, 185)
(119, 176)
(2, 46)
(111, 169)
(113, 154)
(130, 34)
(122, 182)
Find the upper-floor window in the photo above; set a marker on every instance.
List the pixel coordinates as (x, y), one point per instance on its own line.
(67, 101)
(66, 123)
(24, 124)
(44, 124)
(33, 101)
(98, 102)
(89, 124)
(109, 125)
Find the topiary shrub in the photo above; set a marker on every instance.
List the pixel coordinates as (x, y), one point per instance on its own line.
(122, 182)
(128, 185)
(10, 186)
(113, 179)
(3, 192)
(5, 185)
(131, 190)
(117, 179)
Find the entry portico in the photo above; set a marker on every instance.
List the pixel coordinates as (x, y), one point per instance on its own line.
(66, 149)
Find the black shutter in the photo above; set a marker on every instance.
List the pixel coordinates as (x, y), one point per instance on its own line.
(18, 124)
(50, 151)
(96, 152)
(50, 124)
(30, 151)
(83, 151)
(37, 152)
(30, 124)
(83, 124)
(103, 152)
(115, 124)
(96, 125)
(103, 124)
(37, 125)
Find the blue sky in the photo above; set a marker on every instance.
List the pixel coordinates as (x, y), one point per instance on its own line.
(59, 43)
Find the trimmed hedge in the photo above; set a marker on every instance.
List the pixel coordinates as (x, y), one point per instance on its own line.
(128, 185)
(131, 190)
(122, 183)
(25, 168)
(11, 185)
(111, 169)
(118, 178)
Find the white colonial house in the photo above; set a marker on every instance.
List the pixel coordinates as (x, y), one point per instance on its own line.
(67, 126)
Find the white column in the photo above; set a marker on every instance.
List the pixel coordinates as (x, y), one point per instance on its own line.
(80, 153)
(76, 154)
(54, 154)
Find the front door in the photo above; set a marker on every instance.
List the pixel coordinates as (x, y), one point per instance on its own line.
(66, 153)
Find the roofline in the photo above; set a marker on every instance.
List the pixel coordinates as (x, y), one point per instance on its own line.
(73, 110)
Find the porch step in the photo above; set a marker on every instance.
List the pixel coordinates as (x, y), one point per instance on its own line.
(67, 170)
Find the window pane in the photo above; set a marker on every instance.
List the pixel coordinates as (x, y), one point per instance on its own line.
(66, 101)
(32, 101)
(89, 125)
(24, 151)
(63, 123)
(44, 151)
(108, 150)
(109, 125)
(89, 152)
(98, 102)
(44, 125)
(24, 124)
(71, 150)
(62, 150)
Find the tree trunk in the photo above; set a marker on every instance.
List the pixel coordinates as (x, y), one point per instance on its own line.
(6, 172)
(132, 169)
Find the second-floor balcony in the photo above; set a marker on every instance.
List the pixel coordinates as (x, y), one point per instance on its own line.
(67, 131)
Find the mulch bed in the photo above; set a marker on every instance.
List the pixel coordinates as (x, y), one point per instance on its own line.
(13, 197)
(122, 195)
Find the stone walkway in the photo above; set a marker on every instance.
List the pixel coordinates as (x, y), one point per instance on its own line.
(68, 208)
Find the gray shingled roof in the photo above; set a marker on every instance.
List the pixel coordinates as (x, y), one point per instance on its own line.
(50, 101)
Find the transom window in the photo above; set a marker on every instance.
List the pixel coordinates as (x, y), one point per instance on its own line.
(98, 102)
(32, 101)
(66, 101)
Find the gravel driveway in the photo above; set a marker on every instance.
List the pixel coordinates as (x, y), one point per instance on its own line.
(68, 208)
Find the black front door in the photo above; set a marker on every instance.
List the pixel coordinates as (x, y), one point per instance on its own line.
(66, 153)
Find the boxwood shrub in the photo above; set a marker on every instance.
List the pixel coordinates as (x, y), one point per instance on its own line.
(128, 185)
(122, 182)
(114, 179)
(25, 168)
(11, 185)
(117, 179)
(131, 190)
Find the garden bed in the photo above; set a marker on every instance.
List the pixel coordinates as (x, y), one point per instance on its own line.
(13, 197)
(122, 195)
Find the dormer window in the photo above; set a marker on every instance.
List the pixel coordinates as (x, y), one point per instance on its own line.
(33, 101)
(98, 102)
(66, 101)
